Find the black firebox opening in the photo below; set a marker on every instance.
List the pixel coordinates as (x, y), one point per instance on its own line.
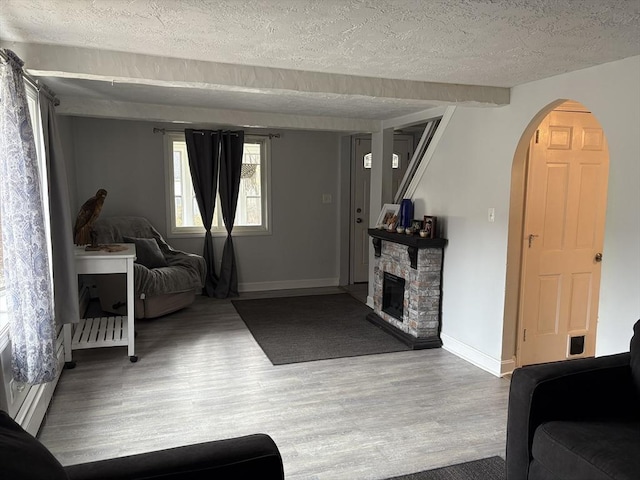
(393, 295)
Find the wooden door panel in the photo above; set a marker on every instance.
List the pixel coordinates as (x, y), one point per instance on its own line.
(549, 305)
(554, 213)
(587, 215)
(560, 137)
(364, 248)
(592, 139)
(580, 301)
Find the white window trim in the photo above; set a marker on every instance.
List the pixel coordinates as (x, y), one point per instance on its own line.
(190, 232)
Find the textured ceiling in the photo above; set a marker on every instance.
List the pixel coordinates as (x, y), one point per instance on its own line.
(499, 43)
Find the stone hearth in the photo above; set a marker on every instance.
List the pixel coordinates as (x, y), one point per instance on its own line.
(419, 262)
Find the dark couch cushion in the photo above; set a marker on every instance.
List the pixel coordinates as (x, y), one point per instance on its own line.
(252, 456)
(634, 348)
(588, 450)
(24, 457)
(148, 252)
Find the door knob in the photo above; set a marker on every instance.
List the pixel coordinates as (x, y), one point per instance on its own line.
(358, 220)
(598, 257)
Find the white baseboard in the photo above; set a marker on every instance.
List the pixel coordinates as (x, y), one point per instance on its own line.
(370, 303)
(472, 355)
(288, 284)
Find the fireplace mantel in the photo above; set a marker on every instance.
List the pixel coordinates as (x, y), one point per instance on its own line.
(413, 242)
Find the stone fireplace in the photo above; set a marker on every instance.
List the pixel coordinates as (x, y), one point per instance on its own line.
(408, 268)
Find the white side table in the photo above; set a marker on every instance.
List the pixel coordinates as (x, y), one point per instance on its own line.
(110, 331)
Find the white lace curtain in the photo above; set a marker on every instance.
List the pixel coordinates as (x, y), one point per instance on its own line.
(28, 281)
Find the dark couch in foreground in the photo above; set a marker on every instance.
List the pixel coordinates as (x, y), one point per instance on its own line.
(253, 456)
(577, 419)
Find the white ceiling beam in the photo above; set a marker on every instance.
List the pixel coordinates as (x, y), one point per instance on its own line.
(105, 65)
(90, 107)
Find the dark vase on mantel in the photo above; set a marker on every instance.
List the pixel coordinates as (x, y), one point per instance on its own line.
(406, 212)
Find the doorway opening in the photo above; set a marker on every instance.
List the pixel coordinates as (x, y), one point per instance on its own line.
(410, 146)
(556, 231)
(360, 192)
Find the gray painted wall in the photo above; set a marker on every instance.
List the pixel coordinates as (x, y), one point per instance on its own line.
(127, 159)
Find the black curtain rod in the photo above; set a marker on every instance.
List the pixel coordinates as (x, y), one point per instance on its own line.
(35, 83)
(164, 131)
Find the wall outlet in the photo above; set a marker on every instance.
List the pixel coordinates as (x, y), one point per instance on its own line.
(491, 216)
(326, 198)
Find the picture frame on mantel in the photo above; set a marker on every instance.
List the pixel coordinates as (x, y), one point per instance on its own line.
(416, 225)
(387, 212)
(429, 226)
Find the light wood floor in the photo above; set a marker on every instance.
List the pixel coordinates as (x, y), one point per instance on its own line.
(201, 376)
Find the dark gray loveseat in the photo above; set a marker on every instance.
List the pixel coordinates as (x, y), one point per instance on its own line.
(577, 419)
(165, 279)
(253, 456)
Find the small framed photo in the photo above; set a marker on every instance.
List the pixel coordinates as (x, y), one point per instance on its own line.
(429, 226)
(389, 210)
(416, 225)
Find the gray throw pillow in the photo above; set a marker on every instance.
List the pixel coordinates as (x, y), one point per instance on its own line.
(148, 252)
(634, 348)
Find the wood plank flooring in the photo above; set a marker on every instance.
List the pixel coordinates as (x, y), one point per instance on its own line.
(201, 376)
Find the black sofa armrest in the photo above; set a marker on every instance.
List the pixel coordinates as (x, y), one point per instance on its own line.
(590, 388)
(252, 456)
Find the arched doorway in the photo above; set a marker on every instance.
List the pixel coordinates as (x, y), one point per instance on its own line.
(556, 231)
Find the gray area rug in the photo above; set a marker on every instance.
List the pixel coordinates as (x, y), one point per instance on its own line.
(315, 327)
(492, 468)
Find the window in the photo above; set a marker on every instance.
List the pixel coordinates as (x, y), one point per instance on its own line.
(251, 212)
(395, 161)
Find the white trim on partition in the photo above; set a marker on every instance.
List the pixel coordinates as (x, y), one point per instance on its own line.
(426, 159)
(414, 118)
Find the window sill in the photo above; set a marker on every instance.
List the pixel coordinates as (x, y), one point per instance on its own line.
(220, 233)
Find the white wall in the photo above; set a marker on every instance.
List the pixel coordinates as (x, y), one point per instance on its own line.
(127, 159)
(471, 171)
